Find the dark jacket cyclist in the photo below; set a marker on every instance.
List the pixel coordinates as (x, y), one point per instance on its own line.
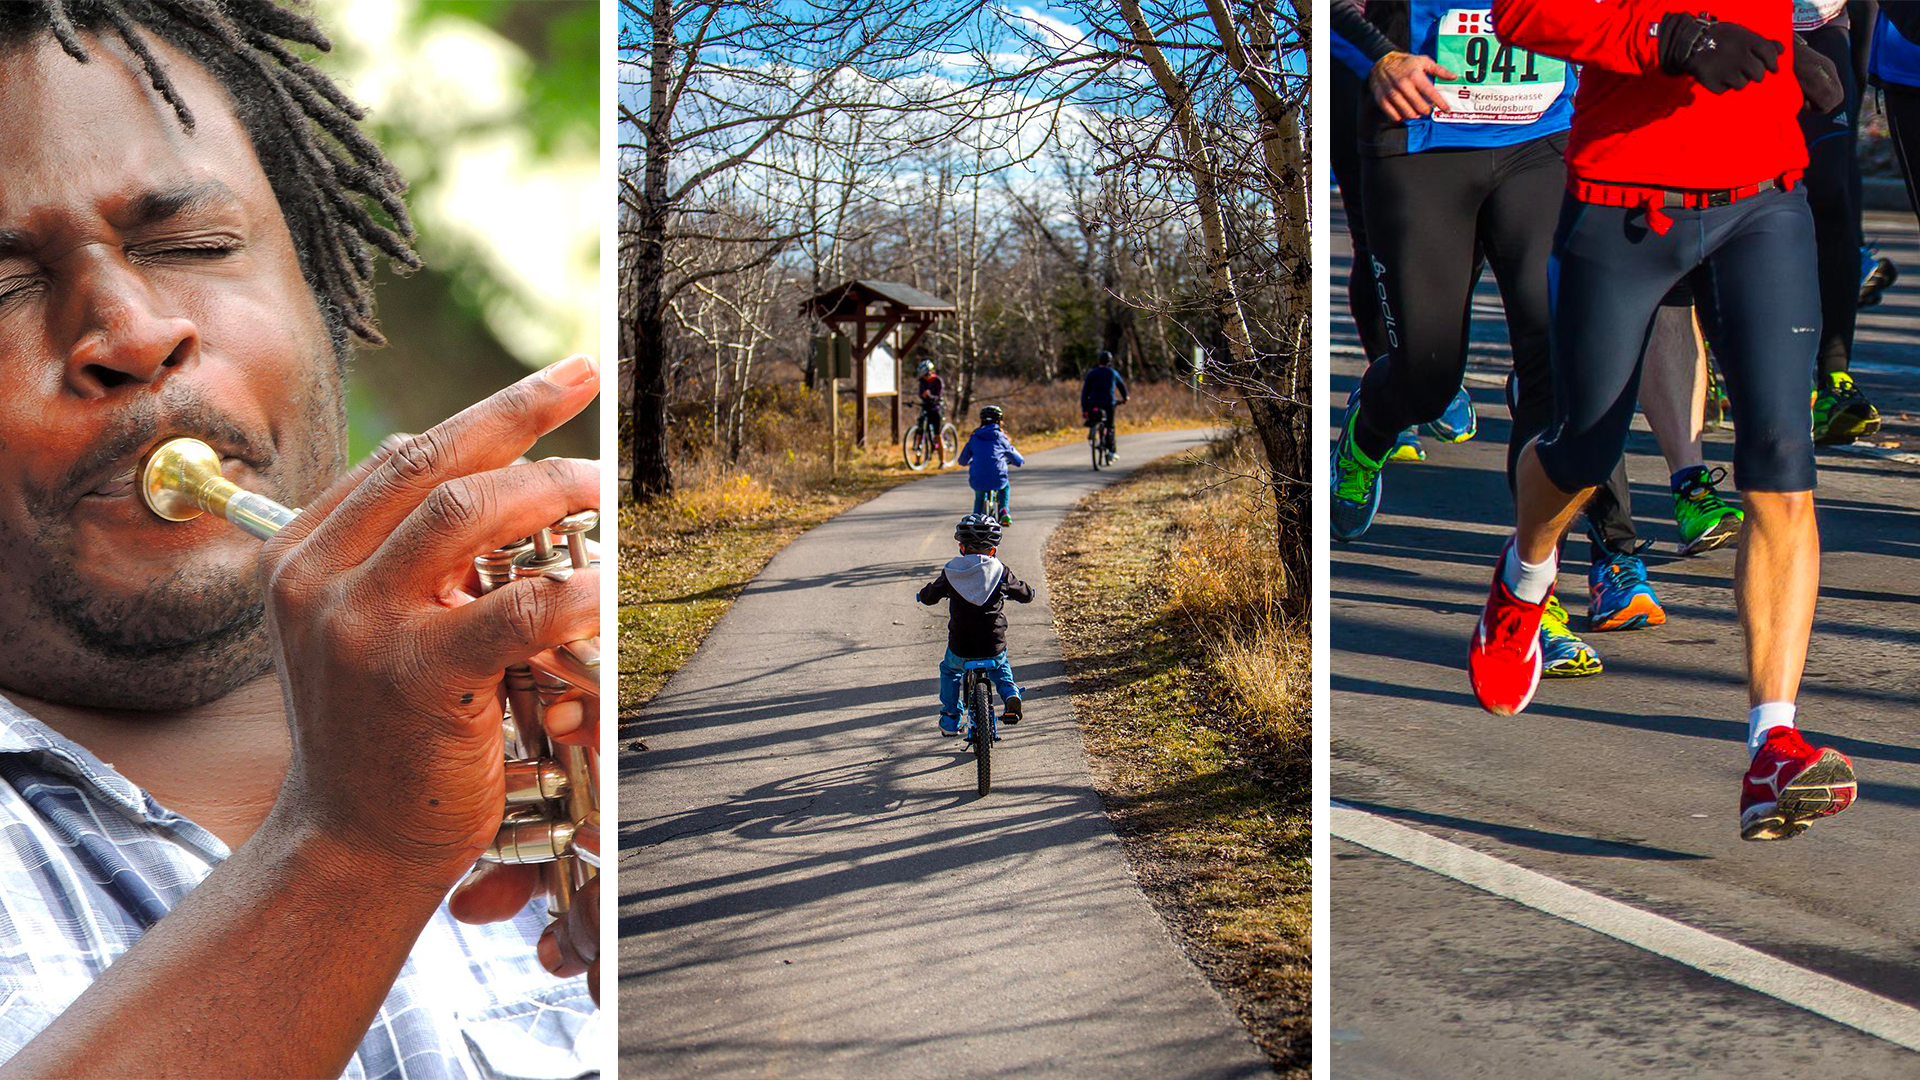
(1098, 395)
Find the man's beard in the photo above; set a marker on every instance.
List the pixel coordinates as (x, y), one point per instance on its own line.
(188, 638)
(184, 638)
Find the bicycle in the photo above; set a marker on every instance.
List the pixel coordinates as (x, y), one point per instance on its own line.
(992, 504)
(923, 441)
(1100, 438)
(978, 724)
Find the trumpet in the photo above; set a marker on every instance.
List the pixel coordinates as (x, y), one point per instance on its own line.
(552, 812)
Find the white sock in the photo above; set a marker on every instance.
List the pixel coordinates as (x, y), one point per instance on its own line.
(1763, 718)
(1529, 581)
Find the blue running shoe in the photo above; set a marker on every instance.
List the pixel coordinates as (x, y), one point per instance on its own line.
(949, 725)
(1407, 448)
(1562, 654)
(1356, 484)
(1876, 275)
(1458, 423)
(1621, 599)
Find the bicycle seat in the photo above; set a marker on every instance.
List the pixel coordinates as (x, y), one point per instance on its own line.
(975, 665)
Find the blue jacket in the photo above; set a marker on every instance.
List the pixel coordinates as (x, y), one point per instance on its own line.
(986, 455)
(1100, 387)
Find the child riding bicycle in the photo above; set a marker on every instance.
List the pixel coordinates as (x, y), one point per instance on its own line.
(978, 585)
(986, 455)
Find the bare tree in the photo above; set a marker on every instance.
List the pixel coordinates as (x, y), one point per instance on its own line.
(709, 89)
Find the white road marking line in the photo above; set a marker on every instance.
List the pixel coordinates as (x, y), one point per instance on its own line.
(1823, 995)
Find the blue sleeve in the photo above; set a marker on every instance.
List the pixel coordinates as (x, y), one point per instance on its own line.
(1120, 384)
(1347, 55)
(966, 454)
(1012, 454)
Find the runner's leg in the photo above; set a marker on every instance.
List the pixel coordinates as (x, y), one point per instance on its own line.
(1363, 302)
(1422, 211)
(1673, 385)
(1768, 305)
(1833, 194)
(1610, 275)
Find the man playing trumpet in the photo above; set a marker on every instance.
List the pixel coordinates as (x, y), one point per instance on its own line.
(247, 777)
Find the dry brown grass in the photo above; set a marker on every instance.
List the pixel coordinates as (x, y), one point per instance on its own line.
(1224, 578)
(1194, 702)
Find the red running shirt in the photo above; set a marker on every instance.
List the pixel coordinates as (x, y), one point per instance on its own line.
(1634, 125)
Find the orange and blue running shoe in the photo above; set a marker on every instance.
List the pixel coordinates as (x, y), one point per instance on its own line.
(1620, 598)
(1503, 661)
(1790, 784)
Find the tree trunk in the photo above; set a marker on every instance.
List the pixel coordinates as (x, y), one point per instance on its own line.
(651, 475)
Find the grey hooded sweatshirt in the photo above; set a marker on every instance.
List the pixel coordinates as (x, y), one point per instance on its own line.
(978, 585)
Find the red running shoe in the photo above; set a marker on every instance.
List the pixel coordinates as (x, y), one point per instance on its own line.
(1503, 663)
(1789, 784)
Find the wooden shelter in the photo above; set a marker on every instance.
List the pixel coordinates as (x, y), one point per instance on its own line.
(865, 312)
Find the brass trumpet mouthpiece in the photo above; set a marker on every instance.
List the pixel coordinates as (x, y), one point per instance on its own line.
(181, 480)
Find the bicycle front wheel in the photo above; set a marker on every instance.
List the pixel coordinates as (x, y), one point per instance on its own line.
(980, 701)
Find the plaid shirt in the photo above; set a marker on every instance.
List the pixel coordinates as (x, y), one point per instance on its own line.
(88, 861)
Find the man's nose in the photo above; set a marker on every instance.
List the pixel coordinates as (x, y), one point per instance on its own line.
(126, 336)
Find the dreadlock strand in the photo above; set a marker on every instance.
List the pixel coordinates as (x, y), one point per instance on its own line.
(283, 24)
(312, 76)
(156, 72)
(61, 24)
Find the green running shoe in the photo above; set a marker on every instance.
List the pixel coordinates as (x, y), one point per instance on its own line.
(1841, 413)
(1356, 485)
(1706, 520)
(1562, 654)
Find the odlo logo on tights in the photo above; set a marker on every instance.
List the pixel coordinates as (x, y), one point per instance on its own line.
(1386, 309)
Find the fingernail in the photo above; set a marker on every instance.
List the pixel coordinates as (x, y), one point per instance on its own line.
(573, 371)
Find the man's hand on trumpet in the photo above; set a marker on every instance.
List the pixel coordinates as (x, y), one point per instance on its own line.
(392, 682)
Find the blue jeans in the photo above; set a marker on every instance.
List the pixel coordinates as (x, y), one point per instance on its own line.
(952, 671)
(1006, 496)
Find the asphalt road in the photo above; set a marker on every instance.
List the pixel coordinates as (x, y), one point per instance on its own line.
(809, 885)
(1624, 786)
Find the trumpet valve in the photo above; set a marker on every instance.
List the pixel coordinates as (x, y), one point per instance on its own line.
(573, 529)
(527, 835)
(532, 781)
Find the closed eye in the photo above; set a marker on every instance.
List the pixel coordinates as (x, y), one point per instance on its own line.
(17, 287)
(191, 250)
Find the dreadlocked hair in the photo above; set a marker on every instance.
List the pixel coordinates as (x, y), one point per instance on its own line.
(324, 170)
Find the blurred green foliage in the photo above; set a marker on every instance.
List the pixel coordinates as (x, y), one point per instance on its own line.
(491, 110)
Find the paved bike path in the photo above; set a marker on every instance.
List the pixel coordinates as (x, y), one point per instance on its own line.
(809, 885)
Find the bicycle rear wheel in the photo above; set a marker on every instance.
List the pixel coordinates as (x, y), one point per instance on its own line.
(980, 702)
(949, 444)
(1093, 441)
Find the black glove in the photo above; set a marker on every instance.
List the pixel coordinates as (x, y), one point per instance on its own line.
(1819, 79)
(1720, 56)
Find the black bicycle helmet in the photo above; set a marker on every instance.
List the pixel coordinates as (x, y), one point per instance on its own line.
(1105, 357)
(991, 414)
(978, 530)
